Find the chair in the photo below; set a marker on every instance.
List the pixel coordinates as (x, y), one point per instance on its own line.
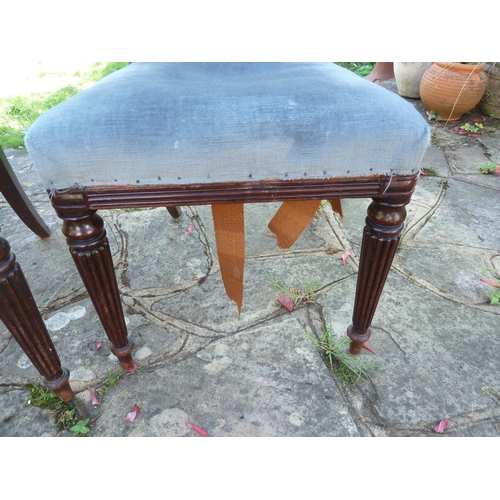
(225, 134)
(18, 310)
(17, 199)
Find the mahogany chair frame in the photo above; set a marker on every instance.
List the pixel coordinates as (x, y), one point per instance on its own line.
(17, 199)
(89, 247)
(18, 309)
(20, 314)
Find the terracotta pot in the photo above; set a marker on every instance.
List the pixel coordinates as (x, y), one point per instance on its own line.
(490, 103)
(452, 89)
(408, 76)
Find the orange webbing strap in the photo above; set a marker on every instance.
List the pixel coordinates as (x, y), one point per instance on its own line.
(230, 240)
(291, 219)
(337, 206)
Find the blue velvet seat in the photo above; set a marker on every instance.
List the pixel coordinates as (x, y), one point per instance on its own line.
(163, 134)
(188, 123)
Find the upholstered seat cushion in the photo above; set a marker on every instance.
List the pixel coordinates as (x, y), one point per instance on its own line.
(184, 123)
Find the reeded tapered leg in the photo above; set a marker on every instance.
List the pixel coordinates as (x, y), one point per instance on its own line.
(382, 232)
(175, 212)
(20, 314)
(89, 247)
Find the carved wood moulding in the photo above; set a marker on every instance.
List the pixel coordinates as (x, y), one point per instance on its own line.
(141, 196)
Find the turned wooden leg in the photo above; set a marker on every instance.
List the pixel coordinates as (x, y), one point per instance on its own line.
(175, 212)
(89, 247)
(382, 232)
(20, 314)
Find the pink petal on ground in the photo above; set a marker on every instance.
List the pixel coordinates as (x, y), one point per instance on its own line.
(345, 256)
(440, 427)
(190, 229)
(202, 432)
(133, 369)
(133, 414)
(496, 171)
(98, 346)
(368, 348)
(95, 401)
(422, 172)
(286, 301)
(491, 282)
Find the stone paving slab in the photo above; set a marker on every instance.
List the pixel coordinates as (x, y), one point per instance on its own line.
(265, 381)
(435, 335)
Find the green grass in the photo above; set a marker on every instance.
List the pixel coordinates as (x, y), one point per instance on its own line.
(298, 295)
(349, 369)
(18, 112)
(360, 68)
(40, 397)
(111, 381)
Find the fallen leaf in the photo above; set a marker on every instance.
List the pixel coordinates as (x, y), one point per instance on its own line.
(98, 346)
(286, 301)
(95, 401)
(131, 416)
(345, 255)
(190, 229)
(133, 369)
(491, 282)
(440, 427)
(202, 432)
(368, 348)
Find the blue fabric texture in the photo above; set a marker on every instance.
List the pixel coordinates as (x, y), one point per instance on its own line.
(182, 123)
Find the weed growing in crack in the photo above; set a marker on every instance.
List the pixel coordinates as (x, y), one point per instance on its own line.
(349, 369)
(430, 172)
(40, 397)
(494, 296)
(111, 381)
(490, 168)
(432, 115)
(80, 429)
(299, 296)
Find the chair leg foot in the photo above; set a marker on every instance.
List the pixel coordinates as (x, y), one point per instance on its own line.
(124, 355)
(89, 247)
(20, 314)
(357, 340)
(61, 386)
(381, 236)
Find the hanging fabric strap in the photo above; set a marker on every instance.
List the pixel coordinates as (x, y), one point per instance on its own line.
(337, 206)
(291, 219)
(230, 240)
(289, 222)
